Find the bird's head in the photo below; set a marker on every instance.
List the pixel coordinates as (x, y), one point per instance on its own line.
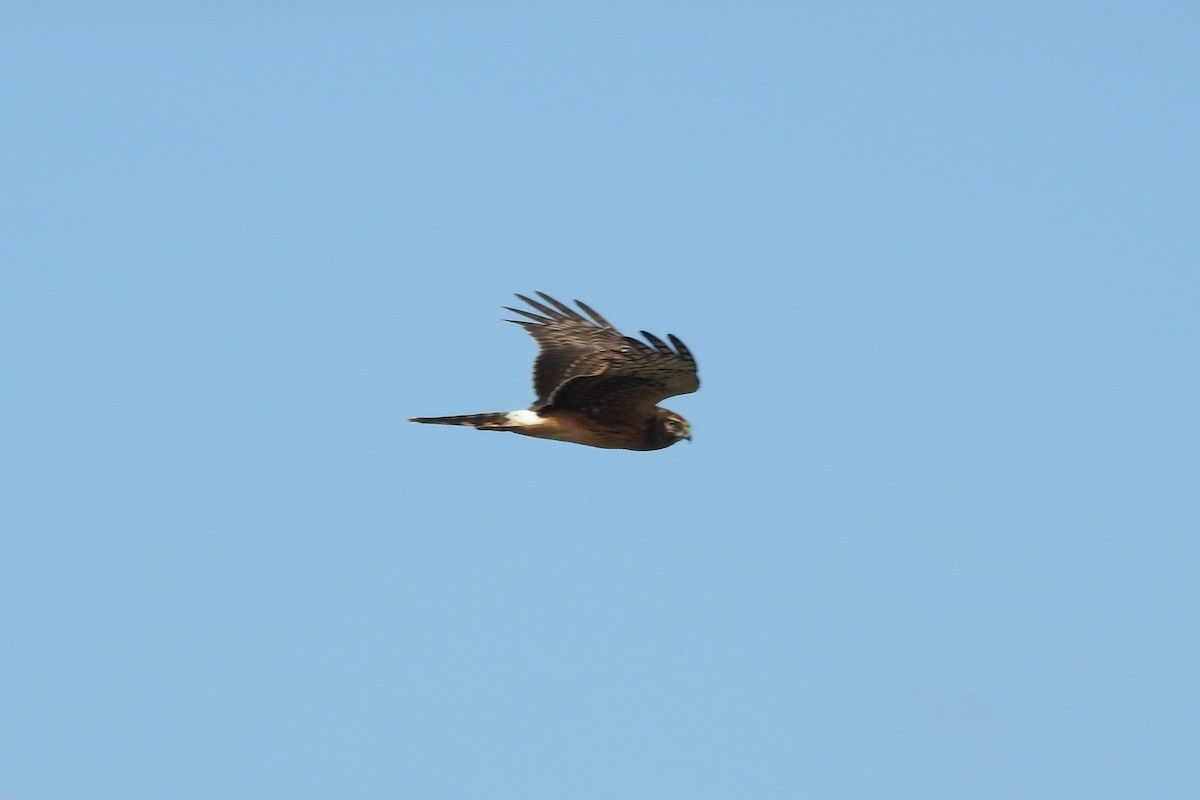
(672, 427)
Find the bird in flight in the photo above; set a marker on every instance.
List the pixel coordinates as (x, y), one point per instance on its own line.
(593, 385)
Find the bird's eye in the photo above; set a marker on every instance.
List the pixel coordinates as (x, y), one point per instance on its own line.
(673, 426)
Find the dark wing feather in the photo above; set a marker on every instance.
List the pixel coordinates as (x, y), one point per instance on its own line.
(588, 365)
(568, 344)
(634, 382)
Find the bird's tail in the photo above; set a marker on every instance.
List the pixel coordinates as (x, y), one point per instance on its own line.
(491, 420)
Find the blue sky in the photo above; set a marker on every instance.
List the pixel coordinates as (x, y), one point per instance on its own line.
(936, 536)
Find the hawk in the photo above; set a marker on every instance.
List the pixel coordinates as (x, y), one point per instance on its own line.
(594, 386)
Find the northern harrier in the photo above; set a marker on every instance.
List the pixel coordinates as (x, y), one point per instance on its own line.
(593, 385)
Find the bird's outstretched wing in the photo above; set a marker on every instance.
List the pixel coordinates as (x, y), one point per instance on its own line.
(587, 365)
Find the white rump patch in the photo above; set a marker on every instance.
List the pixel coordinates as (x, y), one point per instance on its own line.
(525, 418)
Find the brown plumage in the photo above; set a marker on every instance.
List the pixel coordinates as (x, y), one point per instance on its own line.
(594, 386)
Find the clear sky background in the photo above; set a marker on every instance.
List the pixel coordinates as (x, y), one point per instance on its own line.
(937, 534)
